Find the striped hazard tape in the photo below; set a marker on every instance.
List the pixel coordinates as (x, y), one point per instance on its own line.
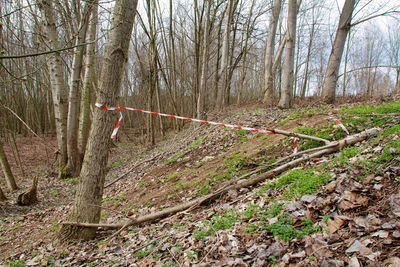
(341, 125)
(114, 133)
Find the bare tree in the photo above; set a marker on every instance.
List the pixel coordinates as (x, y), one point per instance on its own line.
(269, 90)
(59, 92)
(89, 83)
(73, 165)
(87, 204)
(287, 88)
(331, 75)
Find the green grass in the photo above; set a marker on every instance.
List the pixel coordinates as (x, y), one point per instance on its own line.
(197, 142)
(298, 183)
(171, 177)
(390, 107)
(175, 157)
(285, 230)
(116, 199)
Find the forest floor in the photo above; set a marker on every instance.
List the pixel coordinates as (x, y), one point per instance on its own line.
(337, 210)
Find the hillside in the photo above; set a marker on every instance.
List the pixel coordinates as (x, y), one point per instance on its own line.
(334, 210)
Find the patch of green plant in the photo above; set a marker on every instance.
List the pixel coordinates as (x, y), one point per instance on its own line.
(144, 253)
(191, 254)
(115, 199)
(390, 107)
(181, 186)
(71, 180)
(275, 209)
(283, 122)
(299, 182)
(149, 204)
(285, 230)
(175, 158)
(115, 164)
(206, 188)
(197, 142)
(54, 227)
(395, 129)
(306, 112)
(171, 177)
(18, 263)
(168, 264)
(242, 133)
(217, 222)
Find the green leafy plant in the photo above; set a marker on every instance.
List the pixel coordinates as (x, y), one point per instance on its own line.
(197, 142)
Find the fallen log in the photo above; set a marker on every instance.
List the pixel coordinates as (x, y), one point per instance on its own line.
(235, 184)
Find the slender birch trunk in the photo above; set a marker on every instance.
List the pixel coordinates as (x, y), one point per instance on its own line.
(331, 74)
(59, 91)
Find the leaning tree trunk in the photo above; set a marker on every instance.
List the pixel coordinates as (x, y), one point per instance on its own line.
(331, 75)
(2, 196)
(87, 205)
(73, 166)
(59, 91)
(269, 90)
(7, 170)
(285, 100)
(88, 81)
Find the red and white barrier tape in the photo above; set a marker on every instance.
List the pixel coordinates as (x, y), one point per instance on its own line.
(295, 145)
(114, 133)
(341, 125)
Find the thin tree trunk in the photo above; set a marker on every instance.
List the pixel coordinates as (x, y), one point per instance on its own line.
(285, 99)
(310, 42)
(2, 195)
(269, 89)
(87, 204)
(345, 65)
(88, 81)
(221, 98)
(12, 185)
(73, 166)
(331, 75)
(59, 91)
(204, 65)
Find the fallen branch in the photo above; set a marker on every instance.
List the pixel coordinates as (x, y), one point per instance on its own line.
(303, 136)
(236, 184)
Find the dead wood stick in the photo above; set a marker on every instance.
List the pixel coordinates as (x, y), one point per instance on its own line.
(303, 136)
(348, 141)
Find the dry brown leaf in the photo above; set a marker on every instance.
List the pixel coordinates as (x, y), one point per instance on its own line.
(353, 262)
(392, 262)
(335, 224)
(395, 204)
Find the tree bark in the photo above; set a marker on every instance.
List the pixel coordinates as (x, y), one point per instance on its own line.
(204, 65)
(73, 166)
(221, 98)
(12, 185)
(286, 95)
(88, 81)
(331, 75)
(2, 196)
(269, 90)
(87, 204)
(59, 91)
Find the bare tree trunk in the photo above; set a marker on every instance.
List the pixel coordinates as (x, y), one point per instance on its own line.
(88, 81)
(310, 42)
(221, 98)
(345, 65)
(2, 196)
(331, 75)
(7, 170)
(285, 99)
(73, 166)
(204, 65)
(59, 92)
(87, 205)
(269, 95)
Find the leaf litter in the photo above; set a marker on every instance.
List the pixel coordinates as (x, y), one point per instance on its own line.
(349, 222)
